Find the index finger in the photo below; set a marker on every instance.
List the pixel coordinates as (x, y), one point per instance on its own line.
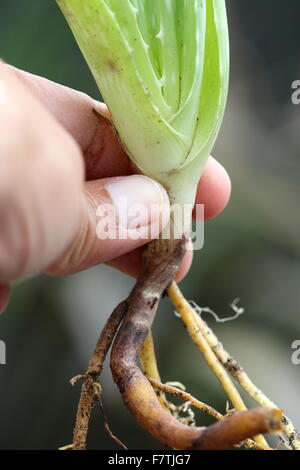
(102, 152)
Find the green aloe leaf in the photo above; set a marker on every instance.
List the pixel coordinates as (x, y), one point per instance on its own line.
(162, 67)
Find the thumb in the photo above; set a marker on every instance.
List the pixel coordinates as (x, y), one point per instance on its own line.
(119, 215)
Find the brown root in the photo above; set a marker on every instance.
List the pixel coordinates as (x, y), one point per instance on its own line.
(161, 261)
(91, 390)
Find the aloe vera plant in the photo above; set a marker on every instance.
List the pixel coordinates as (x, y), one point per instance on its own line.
(162, 67)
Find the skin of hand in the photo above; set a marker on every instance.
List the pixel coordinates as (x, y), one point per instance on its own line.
(58, 164)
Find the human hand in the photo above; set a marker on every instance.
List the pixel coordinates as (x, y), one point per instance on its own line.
(58, 163)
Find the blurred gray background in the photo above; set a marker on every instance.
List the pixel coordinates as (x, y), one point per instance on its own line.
(251, 251)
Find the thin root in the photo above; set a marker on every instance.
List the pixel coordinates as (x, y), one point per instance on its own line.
(149, 366)
(108, 430)
(91, 389)
(230, 364)
(187, 315)
(178, 392)
(68, 447)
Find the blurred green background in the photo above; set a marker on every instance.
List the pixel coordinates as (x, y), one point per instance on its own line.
(251, 251)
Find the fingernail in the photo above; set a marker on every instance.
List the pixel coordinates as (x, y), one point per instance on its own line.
(138, 200)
